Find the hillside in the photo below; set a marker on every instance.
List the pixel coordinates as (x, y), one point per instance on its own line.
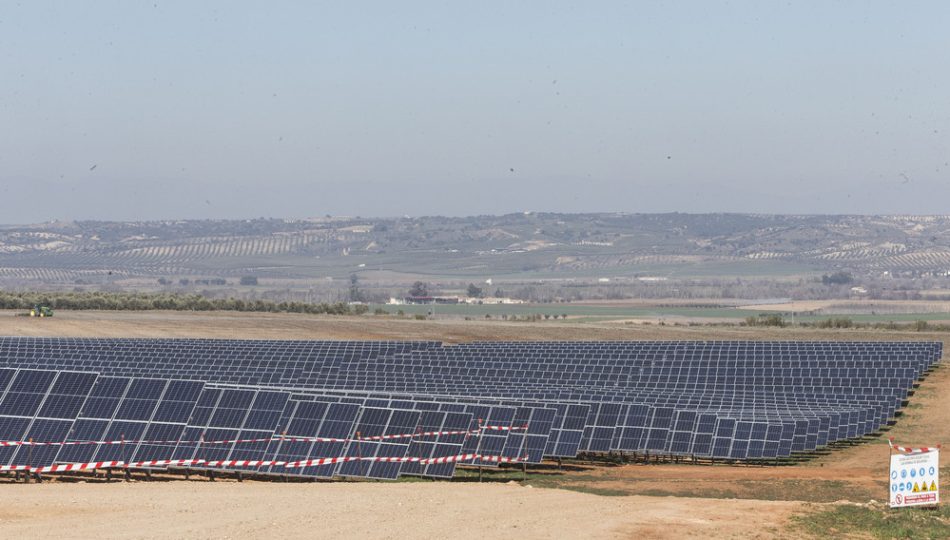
(512, 247)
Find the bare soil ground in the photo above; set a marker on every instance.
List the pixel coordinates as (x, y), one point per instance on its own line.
(380, 510)
(858, 305)
(798, 306)
(665, 500)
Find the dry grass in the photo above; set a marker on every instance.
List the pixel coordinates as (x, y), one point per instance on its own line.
(297, 326)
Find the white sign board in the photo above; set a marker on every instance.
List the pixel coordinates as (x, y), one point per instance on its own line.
(915, 479)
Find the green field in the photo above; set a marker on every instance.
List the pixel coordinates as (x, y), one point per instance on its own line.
(594, 313)
(877, 318)
(571, 310)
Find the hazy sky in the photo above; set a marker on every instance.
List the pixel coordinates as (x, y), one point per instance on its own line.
(158, 109)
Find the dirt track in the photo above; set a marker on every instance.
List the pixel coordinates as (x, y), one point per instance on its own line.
(437, 509)
(346, 510)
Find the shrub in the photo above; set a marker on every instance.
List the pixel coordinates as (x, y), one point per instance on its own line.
(765, 320)
(837, 322)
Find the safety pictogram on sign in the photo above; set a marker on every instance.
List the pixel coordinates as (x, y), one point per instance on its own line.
(914, 475)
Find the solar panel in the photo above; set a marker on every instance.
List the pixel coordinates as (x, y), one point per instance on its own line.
(530, 434)
(258, 429)
(130, 410)
(448, 433)
(309, 420)
(45, 414)
(732, 400)
(373, 425)
(232, 414)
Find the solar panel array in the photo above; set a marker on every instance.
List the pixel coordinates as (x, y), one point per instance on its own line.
(391, 408)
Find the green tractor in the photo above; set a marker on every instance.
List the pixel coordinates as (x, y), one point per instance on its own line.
(41, 311)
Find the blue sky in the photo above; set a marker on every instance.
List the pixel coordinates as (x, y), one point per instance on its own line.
(152, 110)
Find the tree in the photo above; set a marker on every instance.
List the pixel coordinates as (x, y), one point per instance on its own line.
(419, 289)
(838, 278)
(356, 295)
(473, 291)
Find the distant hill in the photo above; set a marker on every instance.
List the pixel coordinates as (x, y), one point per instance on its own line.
(515, 246)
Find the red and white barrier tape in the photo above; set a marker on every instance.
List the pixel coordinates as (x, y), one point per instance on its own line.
(270, 439)
(321, 461)
(910, 450)
(165, 463)
(423, 461)
(242, 463)
(70, 467)
(130, 442)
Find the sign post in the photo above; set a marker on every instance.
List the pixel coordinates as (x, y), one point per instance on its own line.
(914, 476)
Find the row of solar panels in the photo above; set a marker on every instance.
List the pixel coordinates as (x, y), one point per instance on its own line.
(308, 349)
(321, 368)
(291, 348)
(678, 411)
(183, 419)
(93, 418)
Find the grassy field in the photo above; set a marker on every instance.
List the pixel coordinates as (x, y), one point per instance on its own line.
(591, 312)
(603, 313)
(875, 318)
(875, 521)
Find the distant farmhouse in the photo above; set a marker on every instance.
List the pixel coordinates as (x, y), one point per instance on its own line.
(426, 300)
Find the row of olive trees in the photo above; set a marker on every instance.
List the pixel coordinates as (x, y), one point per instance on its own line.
(165, 301)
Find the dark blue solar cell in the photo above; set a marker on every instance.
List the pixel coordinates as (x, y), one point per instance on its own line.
(174, 411)
(72, 383)
(739, 449)
(120, 431)
(13, 429)
(6, 375)
(159, 432)
(27, 381)
(21, 404)
(110, 387)
(188, 391)
(307, 419)
(209, 397)
(136, 409)
(743, 430)
(42, 430)
(82, 430)
(62, 406)
(146, 388)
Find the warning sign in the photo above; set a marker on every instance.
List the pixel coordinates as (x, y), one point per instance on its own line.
(914, 478)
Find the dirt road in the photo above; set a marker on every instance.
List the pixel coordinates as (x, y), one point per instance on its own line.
(345, 510)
